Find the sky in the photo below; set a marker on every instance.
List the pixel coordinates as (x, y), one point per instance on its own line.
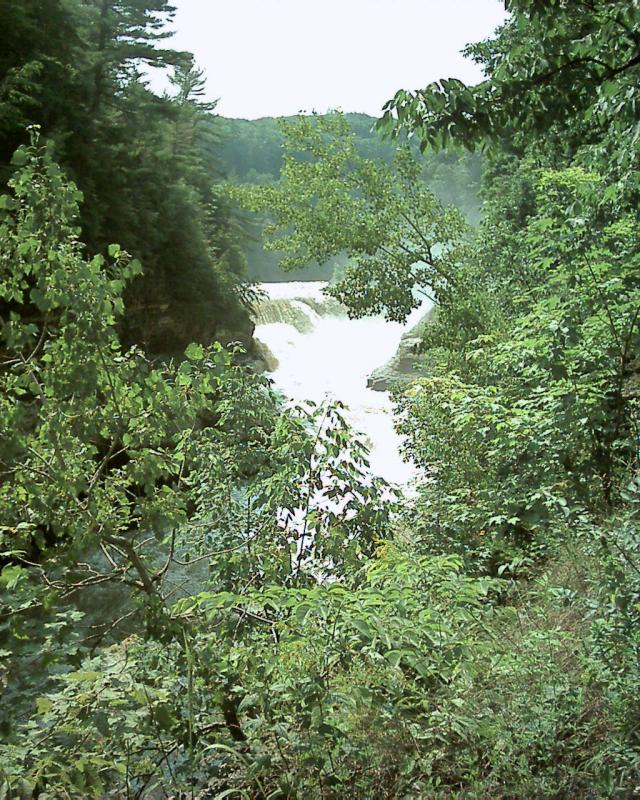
(281, 57)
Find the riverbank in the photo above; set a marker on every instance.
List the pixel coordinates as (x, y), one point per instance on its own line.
(407, 364)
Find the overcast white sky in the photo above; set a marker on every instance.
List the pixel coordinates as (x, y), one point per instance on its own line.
(279, 57)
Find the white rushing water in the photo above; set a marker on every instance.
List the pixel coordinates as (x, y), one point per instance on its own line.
(333, 358)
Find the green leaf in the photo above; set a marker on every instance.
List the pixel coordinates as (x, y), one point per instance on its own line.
(20, 158)
(7, 203)
(195, 352)
(43, 705)
(363, 627)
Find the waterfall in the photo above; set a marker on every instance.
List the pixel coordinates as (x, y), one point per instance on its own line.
(322, 353)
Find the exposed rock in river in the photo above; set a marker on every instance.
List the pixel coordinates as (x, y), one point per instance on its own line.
(406, 365)
(266, 357)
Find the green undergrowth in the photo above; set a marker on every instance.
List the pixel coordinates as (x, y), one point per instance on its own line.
(204, 592)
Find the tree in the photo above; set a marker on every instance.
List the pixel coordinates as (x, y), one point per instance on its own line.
(38, 48)
(564, 70)
(120, 36)
(143, 161)
(395, 233)
(117, 478)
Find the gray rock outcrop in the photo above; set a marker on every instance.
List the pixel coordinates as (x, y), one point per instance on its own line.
(407, 364)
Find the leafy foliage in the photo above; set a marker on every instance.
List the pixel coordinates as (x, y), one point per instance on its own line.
(562, 71)
(252, 152)
(146, 164)
(136, 484)
(395, 233)
(538, 419)
(203, 590)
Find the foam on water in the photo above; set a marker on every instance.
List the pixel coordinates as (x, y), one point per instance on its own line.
(334, 359)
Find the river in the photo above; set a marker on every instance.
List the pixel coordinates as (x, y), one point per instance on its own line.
(322, 353)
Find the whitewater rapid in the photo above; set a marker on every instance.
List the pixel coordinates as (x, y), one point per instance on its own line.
(323, 354)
